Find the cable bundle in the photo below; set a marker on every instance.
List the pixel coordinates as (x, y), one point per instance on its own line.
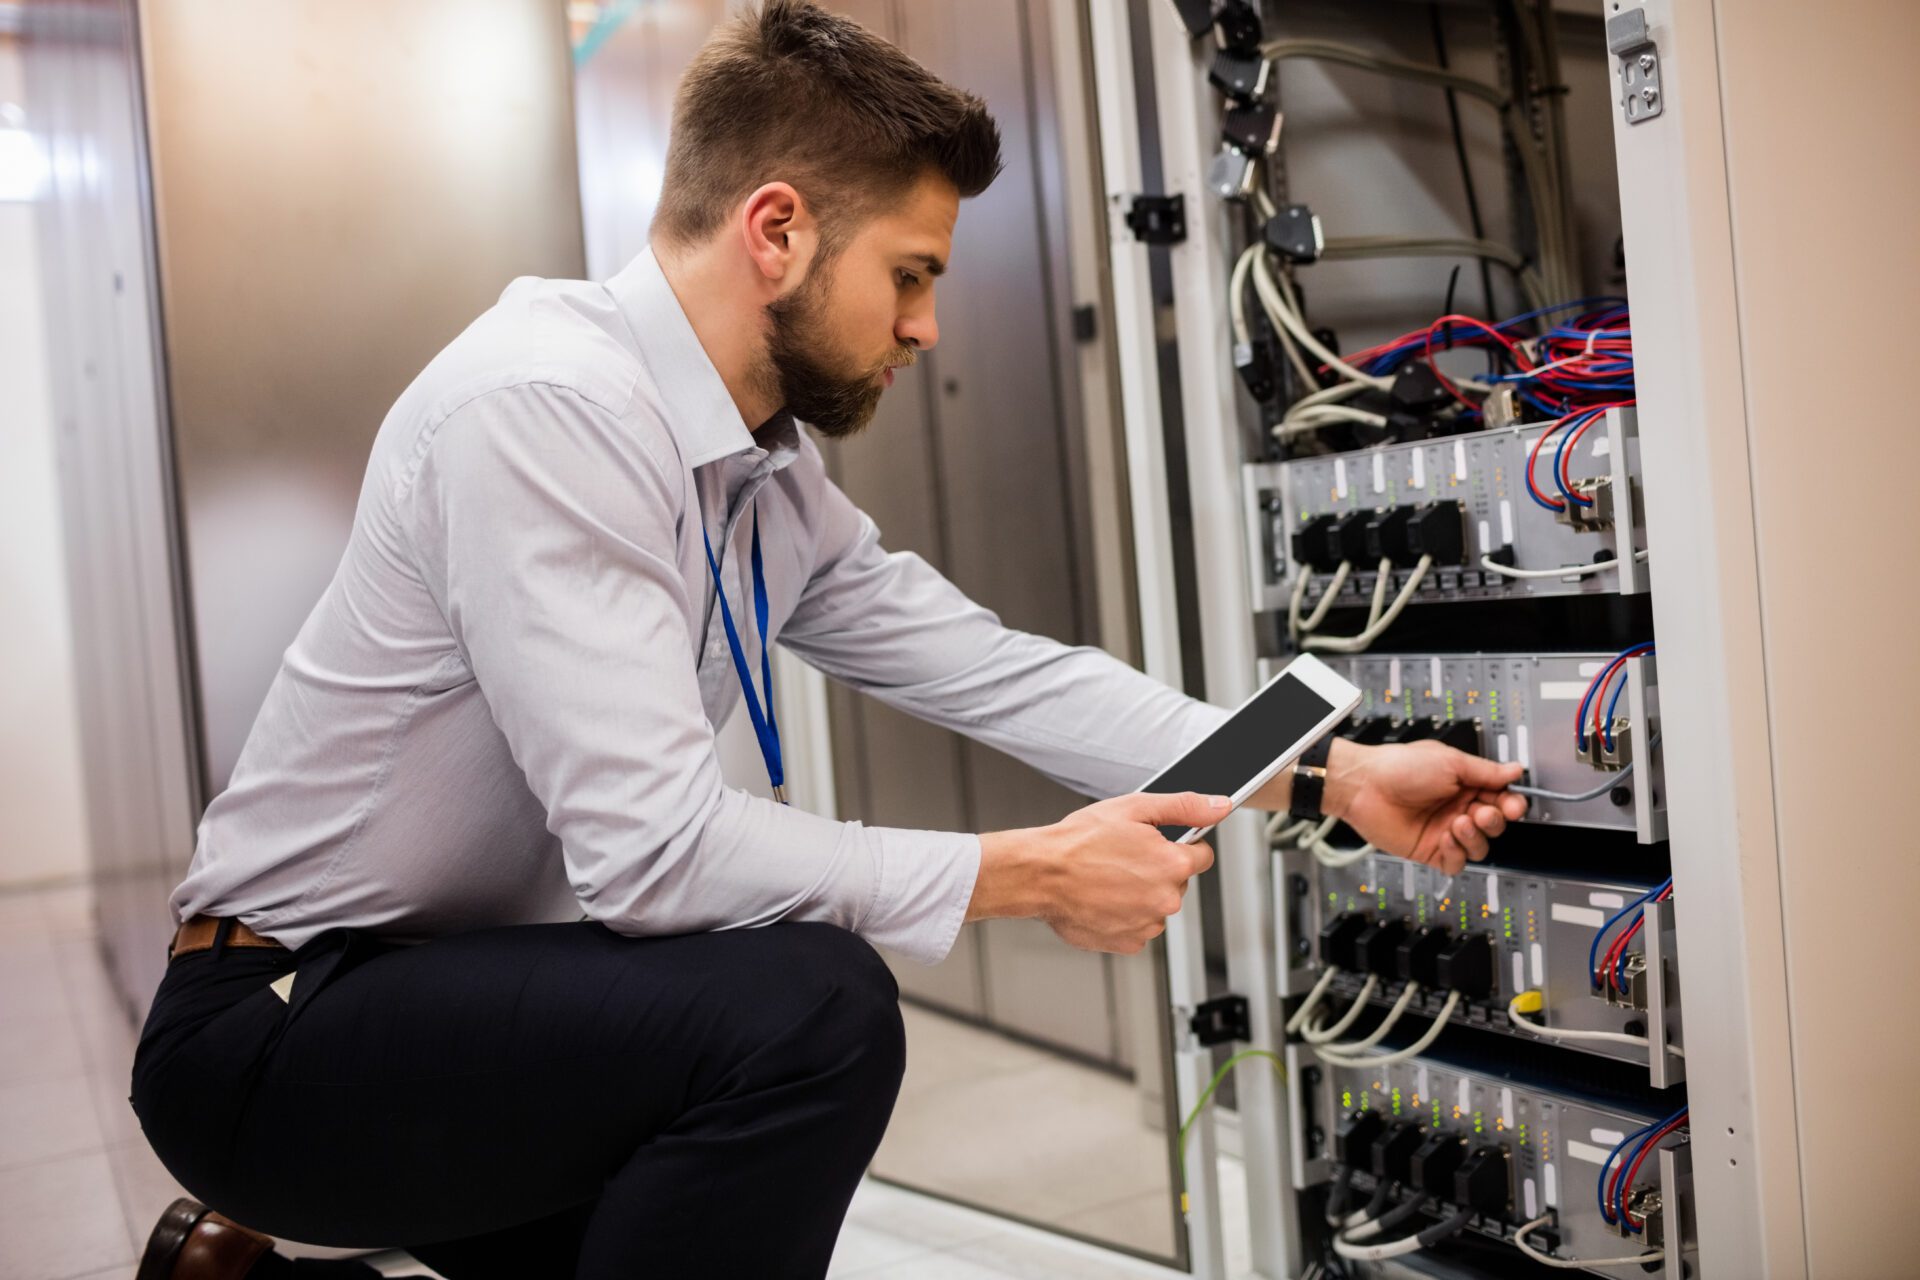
(1596, 696)
(1611, 974)
(1615, 1186)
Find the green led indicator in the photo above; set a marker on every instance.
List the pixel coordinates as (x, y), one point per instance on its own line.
(1479, 1122)
(1493, 704)
(1436, 1111)
(1506, 922)
(1333, 896)
(1449, 704)
(1396, 1102)
(1346, 1099)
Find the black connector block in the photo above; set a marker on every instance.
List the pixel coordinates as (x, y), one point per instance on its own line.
(1462, 735)
(1353, 1139)
(1415, 730)
(1393, 1151)
(1315, 546)
(1370, 732)
(1338, 939)
(1387, 538)
(1432, 1166)
(1241, 78)
(1254, 363)
(1238, 23)
(1418, 959)
(1378, 947)
(1466, 966)
(1349, 536)
(1439, 529)
(1294, 234)
(1484, 1183)
(1253, 129)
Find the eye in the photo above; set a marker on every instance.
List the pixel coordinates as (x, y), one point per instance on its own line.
(908, 279)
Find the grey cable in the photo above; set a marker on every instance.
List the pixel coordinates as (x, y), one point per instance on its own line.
(1541, 793)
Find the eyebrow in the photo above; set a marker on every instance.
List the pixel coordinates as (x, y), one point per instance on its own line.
(933, 265)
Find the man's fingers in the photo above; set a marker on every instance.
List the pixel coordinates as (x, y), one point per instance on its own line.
(1179, 808)
(1468, 836)
(1478, 771)
(1489, 819)
(1202, 854)
(1515, 807)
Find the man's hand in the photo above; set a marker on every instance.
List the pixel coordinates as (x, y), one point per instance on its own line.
(1422, 800)
(1103, 876)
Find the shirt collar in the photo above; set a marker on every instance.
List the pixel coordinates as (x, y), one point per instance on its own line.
(700, 413)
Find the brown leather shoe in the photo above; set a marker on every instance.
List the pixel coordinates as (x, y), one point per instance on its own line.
(192, 1242)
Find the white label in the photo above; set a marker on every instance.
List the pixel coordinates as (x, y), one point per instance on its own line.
(1608, 1138)
(1420, 1080)
(1433, 677)
(1506, 1107)
(1591, 669)
(1538, 955)
(1459, 459)
(1568, 913)
(1406, 881)
(1379, 473)
(1506, 522)
(1615, 901)
(1519, 972)
(1582, 1151)
(1531, 1198)
(1340, 476)
(1486, 537)
(1466, 1096)
(1493, 893)
(1419, 469)
(1553, 1184)
(1393, 678)
(1602, 446)
(1526, 749)
(1562, 690)
(1502, 748)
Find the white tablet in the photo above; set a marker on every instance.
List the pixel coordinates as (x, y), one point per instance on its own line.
(1265, 734)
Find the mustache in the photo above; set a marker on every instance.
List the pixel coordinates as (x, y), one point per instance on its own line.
(902, 357)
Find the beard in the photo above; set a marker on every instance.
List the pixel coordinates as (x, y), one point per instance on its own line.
(812, 379)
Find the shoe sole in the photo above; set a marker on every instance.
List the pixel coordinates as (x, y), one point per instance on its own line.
(168, 1238)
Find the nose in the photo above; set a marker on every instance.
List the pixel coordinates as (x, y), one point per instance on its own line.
(918, 328)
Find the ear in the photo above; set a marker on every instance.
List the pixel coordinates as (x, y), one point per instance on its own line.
(779, 232)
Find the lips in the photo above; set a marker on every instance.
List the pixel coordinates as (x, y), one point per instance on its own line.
(889, 375)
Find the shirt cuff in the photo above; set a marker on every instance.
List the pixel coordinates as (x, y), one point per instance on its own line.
(925, 883)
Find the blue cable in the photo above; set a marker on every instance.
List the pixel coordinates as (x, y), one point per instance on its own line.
(1593, 952)
(1620, 965)
(1620, 1197)
(1586, 700)
(1606, 725)
(1600, 1188)
(1560, 450)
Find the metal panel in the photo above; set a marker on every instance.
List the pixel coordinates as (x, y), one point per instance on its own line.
(326, 223)
(83, 79)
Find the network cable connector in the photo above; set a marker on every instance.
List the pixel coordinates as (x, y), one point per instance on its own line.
(1519, 949)
(1517, 1149)
(1526, 707)
(1540, 511)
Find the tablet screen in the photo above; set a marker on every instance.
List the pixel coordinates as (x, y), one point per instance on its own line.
(1276, 723)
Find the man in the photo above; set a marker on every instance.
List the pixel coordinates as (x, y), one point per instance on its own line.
(386, 1019)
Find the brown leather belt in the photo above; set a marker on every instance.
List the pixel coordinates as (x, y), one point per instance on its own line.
(197, 935)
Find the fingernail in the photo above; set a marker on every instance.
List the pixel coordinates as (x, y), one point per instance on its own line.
(1218, 802)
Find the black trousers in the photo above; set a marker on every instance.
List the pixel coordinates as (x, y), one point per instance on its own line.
(541, 1100)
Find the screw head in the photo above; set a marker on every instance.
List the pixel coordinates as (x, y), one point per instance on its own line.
(1646, 62)
(1649, 95)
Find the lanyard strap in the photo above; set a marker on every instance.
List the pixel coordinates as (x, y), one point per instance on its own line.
(765, 727)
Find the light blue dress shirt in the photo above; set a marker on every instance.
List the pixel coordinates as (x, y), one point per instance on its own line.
(502, 709)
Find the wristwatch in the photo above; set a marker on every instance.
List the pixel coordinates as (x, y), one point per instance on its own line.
(1310, 781)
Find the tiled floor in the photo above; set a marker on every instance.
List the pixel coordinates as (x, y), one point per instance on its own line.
(79, 1189)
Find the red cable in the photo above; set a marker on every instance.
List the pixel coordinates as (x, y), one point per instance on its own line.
(1448, 321)
(1634, 1169)
(1532, 486)
(1598, 412)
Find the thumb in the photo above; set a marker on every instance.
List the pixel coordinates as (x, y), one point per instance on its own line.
(1478, 771)
(1178, 808)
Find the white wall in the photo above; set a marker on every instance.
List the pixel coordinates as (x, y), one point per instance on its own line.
(42, 822)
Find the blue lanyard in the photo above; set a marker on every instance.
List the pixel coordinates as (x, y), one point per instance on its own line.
(765, 727)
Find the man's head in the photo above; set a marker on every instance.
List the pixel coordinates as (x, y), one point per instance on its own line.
(833, 164)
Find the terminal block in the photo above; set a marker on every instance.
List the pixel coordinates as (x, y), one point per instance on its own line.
(1646, 1207)
(1594, 518)
(1613, 758)
(1635, 996)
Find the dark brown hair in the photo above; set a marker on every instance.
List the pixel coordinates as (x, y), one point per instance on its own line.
(796, 94)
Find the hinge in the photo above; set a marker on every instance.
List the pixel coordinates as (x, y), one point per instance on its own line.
(1641, 96)
(1158, 219)
(1222, 1020)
